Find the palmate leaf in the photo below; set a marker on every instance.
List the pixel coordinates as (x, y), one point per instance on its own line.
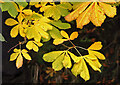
(33, 45)
(56, 11)
(91, 11)
(18, 56)
(66, 36)
(60, 59)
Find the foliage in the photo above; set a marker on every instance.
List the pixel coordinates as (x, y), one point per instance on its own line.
(48, 23)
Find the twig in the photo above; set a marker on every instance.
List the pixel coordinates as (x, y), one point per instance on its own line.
(13, 47)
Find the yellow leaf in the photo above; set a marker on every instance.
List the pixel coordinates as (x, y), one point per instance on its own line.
(13, 56)
(67, 61)
(26, 56)
(14, 31)
(93, 64)
(24, 50)
(16, 50)
(74, 35)
(95, 46)
(21, 31)
(51, 56)
(27, 11)
(38, 43)
(20, 17)
(108, 9)
(31, 45)
(19, 61)
(73, 15)
(11, 22)
(83, 18)
(57, 64)
(43, 33)
(77, 68)
(74, 57)
(85, 72)
(97, 16)
(64, 34)
(35, 48)
(59, 41)
(97, 54)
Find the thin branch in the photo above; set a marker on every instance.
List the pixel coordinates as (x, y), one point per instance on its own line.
(65, 45)
(13, 47)
(81, 47)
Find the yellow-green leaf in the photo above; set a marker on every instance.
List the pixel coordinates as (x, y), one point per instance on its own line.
(77, 68)
(95, 46)
(73, 35)
(59, 41)
(93, 64)
(85, 72)
(67, 61)
(51, 56)
(64, 34)
(27, 11)
(74, 57)
(13, 56)
(97, 54)
(57, 64)
(11, 22)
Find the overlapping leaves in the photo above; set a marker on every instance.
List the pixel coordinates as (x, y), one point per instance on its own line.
(65, 35)
(18, 55)
(91, 11)
(62, 59)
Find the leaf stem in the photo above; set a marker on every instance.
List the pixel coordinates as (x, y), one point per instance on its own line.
(81, 47)
(75, 48)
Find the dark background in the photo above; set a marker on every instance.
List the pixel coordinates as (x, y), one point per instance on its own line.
(110, 37)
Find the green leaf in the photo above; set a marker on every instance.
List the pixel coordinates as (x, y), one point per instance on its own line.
(51, 56)
(57, 64)
(55, 33)
(1, 37)
(11, 8)
(60, 25)
(22, 3)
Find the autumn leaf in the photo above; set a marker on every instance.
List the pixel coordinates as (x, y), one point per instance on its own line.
(56, 11)
(18, 56)
(81, 68)
(96, 46)
(66, 36)
(33, 45)
(18, 28)
(91, 11)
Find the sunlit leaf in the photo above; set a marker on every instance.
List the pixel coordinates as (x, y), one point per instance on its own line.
(95, 46)
(51, 56)
(97, 54)
(67, 61)
(73, 35)
(64, 34)
(19, 61)
(59, 41)
(55, 33)
(57, 64)
(11, 22)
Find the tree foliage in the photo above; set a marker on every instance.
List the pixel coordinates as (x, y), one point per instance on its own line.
(50, 23)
